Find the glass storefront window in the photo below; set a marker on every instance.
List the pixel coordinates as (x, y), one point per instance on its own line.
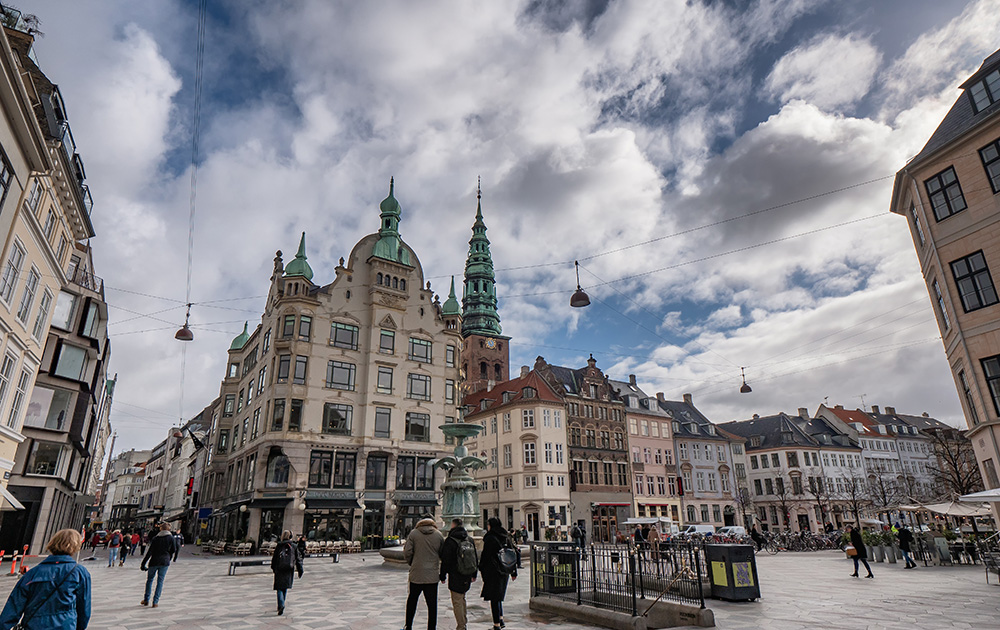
(271, 523)
(328, 524)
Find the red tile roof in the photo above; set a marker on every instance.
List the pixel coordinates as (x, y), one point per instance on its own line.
(851, 416)
(516, 387)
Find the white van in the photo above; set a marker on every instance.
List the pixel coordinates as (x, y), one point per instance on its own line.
(701, 530)
(732, 530)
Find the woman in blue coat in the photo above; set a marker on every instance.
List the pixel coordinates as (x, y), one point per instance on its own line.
(55, 594)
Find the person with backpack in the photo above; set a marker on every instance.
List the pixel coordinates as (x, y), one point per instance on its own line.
(498, 561)
(422, 552)
(285, 562)
(55, 594)
(114, 545)
(459, 564)
(162, 548)
(125, 548)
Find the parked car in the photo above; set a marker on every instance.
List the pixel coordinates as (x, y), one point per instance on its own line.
(732, 530)
(701, 530)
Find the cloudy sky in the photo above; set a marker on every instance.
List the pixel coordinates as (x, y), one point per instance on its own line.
(722, 171)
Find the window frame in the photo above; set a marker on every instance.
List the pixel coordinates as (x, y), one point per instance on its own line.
(974, 277)
(344, 336)
(410, 422)
(332, 368)
(347, 417)
(942, 189)
(993, 163)
(428, 346)
(412, 392)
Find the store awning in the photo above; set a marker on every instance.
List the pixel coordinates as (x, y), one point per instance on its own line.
(9, 500)
(610, 504)
(332, 504)
(175, 517)
(270, 503)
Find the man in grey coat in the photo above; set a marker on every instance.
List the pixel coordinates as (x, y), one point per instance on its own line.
(422, 552)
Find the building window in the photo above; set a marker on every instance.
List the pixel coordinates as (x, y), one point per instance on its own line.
(71, 362)
(337, 418)
(278, 416)
(229, 406)
(288, 328)
(320, 469)
(387, 342)
(340, 375)
(43, 315)
(527, 418)
(295, 416)
(449, 391)
(11, 270)
(223, 440)
(375, 472)
(975, 286)
(449, 356)
(559, 453)
(343, 470)
(682, 451)
(305, 327)
(939, 298)
(344, 336)
(793, 459)
(284, 366)
(967, 393)
(267, 341)
(420, 350)
(405, 468)
(985, 92)
(418, 386)
(34, 197)
(507, 460)
(255, 426)
(277, 469)
(50, 225)
(529, 454)
(990, 154)
(383, 420)
(418, 427)
(945, 193)
(384, 384)
(46, 459)
(425, 473)
(28, 296)
(19, 394)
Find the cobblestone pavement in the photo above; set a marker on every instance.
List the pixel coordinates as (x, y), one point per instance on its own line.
(805, 590)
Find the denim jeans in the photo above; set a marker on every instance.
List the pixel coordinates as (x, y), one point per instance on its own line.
(909, 560)
(112, 555)
(160, 573)
(281, 598)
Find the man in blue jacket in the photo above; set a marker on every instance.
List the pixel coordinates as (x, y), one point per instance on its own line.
(162, 548)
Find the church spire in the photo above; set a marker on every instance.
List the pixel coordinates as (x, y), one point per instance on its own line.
(479, 304)
(389, 245)
(299, 266)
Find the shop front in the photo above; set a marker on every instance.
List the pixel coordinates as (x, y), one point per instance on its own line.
(330, 514)
(272, 517)
(410, 508)
(606, 521)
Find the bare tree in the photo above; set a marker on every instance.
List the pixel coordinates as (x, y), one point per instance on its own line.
(953, 467)
(784, 497)
(821, 493)
(855, 495)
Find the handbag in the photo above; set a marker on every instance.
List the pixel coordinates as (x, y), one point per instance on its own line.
(22, 624)
(850, 551)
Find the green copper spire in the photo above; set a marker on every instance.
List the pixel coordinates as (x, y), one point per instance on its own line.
(479, 304)
(299, 266)
(451, 306)
(241, 339)
(389, 245)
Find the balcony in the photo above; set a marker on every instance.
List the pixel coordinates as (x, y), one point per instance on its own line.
(87, 280)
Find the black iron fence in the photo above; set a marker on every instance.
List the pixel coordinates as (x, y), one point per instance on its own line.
(624, 578)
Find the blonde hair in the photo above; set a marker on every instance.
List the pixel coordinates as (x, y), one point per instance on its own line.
(65, 542)
(286, 535)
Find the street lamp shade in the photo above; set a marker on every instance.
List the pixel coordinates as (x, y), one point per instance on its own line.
(745, 389)
(184, 334)
(580, 297)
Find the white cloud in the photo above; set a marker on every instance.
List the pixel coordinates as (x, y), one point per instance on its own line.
(829, 72)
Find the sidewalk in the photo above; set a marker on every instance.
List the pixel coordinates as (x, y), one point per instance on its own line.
(800, 590)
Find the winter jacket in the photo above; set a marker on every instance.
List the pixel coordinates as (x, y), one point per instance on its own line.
(284, 576)
(67, 609)
(859, 544)
(494, 580)
(449, 561)
(115, 541)
(422, 552)
(905, 539)
(162, 548)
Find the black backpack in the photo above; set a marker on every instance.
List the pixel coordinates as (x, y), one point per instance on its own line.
(466, 563)
(507, 558)
(286, 558)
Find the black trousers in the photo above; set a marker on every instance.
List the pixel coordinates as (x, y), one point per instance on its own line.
(430, 592)
(496, 607)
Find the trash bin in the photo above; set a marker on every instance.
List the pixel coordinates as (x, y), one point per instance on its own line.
(732, 570)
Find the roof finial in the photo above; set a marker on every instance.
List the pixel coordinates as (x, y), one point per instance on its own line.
(392, 182)
(479, 187)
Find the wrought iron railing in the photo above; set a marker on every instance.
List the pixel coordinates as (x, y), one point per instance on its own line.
(624, 578)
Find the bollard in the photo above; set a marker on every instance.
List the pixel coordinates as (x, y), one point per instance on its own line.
(24, 556)
(13, 564)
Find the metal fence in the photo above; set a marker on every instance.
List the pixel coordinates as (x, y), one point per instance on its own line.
(624, 578)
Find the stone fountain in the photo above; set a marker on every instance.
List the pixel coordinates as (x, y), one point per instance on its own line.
(460, 490)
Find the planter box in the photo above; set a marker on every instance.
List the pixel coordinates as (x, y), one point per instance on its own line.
(891, 554)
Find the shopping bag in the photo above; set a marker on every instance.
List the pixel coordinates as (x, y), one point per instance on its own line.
(850, 551)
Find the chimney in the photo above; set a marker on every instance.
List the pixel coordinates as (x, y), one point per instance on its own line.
(925, 415)
(660, 397)
(803, 412)
(490, 385)
(839, 407)
(631, 380)
(876, 411)
(890, 410)
(755, 416)
(525, 370)
(687, 399)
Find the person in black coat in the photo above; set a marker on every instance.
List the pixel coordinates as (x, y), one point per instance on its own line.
(301, 544)
(495, 580)
(458, 584)
(905, 537)
(162, 549)
(285, 562)
(862, 551)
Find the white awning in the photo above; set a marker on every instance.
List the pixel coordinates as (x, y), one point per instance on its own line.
(9, 498)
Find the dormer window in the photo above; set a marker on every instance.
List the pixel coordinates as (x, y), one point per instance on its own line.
(507, 396)
(528, 392)
(484, 403)
(711, 429)
(755, 441)
(985, 92)
(692, 427)
(786, 437)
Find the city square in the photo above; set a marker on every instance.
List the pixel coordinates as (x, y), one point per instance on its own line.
(798, 591)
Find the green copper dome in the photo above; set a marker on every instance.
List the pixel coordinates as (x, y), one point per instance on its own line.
(451, 306)
(479, 304)
(241, 339)
(298, 266)
(389, 245)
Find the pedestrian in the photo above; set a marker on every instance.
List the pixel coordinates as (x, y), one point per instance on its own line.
(583, 534)
(54, 594)
(124, 550)
(524, 533)
(143, 541)
(285, 562)
(135, 542)
(495, 572)
(162, 548)
(859, 547)
(905, 537)
(757, 537)
(422, 552)
(459, 564)
(653, 540)
(577, 537)
(114, 545)
(302, 546)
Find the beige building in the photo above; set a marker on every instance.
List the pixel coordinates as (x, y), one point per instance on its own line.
(526, 481)
(331, 406)
(949, 196)
(44, 208)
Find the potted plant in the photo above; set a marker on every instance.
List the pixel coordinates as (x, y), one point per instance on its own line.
(891, 551)
(870, 543)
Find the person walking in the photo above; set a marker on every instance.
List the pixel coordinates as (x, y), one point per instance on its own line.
(162, 548)
(757, 538)
(114, 546)
(301, 544)
(862, 553)
(124, 550)
(493, 572)
(135, 543)
(422, 552)
(285, 562)
(55, 594)
(459, 564)
(905, 537)
(577, 537)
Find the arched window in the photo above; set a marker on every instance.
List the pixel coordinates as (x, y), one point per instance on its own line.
(483, 370)
(498, 371)
(402, 285)
(277, 469)
(378, 278)
(395, 283)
